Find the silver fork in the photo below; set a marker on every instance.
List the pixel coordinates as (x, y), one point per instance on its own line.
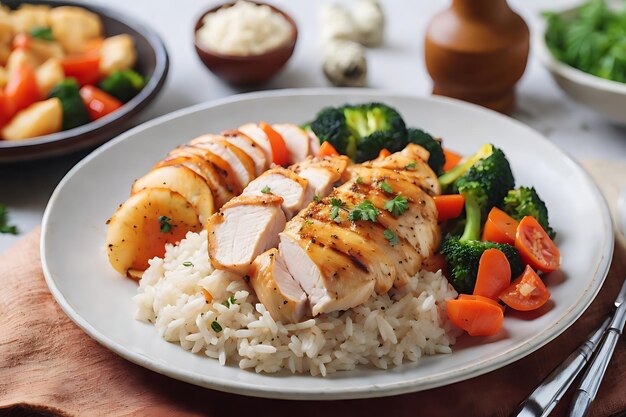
(547, 395)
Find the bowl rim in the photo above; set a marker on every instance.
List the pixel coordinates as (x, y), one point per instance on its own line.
(133, 106)
(568, 71)
(245, 58)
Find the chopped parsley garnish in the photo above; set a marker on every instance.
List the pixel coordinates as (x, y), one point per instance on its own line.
(412, 165)
(43, 33)
(216, 326)
(4, 222)
(231, 300)
(164, 223)
(385, 187)
(336, 205)
(187, 263)
(391, 236)
(359, 180)
(266, 189)
(365, 210)
(397, 206)
(317, 198)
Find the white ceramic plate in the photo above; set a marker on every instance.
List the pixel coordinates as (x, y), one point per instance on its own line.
(99, 301)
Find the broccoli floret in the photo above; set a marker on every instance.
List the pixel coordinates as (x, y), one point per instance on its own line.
(437, 159)
(361, 131)
(330, 125)
(526, 202)
(74, 111)
(123, 85)
(484, 186)
(463, 257)
(447, 180)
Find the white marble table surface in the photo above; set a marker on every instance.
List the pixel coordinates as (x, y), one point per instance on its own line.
(398, 65)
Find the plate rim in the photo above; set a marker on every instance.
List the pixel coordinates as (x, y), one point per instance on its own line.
(469, 371)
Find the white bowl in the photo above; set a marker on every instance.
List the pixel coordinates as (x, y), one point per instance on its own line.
(606, 97)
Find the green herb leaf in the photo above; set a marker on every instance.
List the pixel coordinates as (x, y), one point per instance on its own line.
(187, 263)
(359, 180)
(165, 225)
(4, 221)
(411, 166)
(266, 189)
(391, 236)
(336, 205)
(216, 326)
(385, 187)
(365, 210)
(43, 33)
(317, 198)
(397, 206)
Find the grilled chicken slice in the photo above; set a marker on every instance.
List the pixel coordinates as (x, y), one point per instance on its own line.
(417, 225)
(276, 288)
(323, 173)
(229, 184)
(241, 164)
(254, 132)
(185, 182)
(286, 184)
(243, 142)
(244, 227)
(332, 280)
(296, 140)
(411, 161)
(140, 228)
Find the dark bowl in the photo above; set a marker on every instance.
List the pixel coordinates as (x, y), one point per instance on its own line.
(246, 70)
(152, 62)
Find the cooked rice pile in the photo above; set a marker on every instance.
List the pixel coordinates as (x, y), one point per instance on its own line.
(389, 329)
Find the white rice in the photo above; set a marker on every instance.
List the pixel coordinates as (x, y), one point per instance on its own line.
(386, 331)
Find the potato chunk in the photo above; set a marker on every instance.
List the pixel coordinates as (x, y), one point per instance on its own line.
(137, 231)
(30, 16)
(49, 74)
(41, 118)
(21, 57)
(6, 35)
(72, 26)
(117, 53)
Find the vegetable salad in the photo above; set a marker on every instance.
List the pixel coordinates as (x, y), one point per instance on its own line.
(59, 71)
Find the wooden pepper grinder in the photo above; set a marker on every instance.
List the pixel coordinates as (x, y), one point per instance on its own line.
(477, 51)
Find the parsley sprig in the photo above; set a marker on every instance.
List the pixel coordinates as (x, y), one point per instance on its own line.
(384, 185)
(365, 210)
(397, 205)
(336, 205)
(391, 236)
(164, 224)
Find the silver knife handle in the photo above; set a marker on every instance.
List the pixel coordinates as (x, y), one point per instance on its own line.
(593, 377)
(581, 404)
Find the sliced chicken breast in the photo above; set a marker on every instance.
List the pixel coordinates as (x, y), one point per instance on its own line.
(230, 186)
(286, 184)
(185, 182)
(243, 142)
(411, 162)
(323, 173)
(241, 164)
(296, 140)
(332, 280)
(254, 132)
(276, 288)
(244, 228)
(140, 228)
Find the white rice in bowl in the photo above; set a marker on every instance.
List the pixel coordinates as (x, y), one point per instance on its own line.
(388, 330)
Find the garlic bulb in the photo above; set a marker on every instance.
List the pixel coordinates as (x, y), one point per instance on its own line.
(369, 21)
(336, 23)
(345, 64)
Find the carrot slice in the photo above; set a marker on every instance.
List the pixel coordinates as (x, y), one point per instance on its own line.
(383, 154)
(21, 90)
(480, 298)
(449, 206)
(526, 293)
(326, 149)
(477, 317)
(280, 154)
(98, 103)
(85, 68)
(500, 227)
(494, 274)
(452, 159)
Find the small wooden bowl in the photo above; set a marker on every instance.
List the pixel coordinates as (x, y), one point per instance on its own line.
(250, 69)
